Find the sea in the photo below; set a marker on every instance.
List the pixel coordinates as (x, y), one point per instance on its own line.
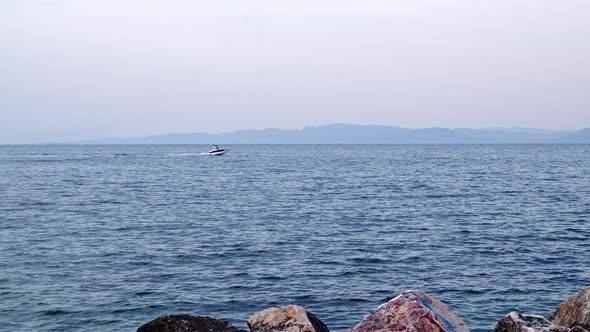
(107, 238)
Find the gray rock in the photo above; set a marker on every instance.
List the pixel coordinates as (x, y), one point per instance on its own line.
(187, 323)
(515, 322)
(575, 311)
(290, 318)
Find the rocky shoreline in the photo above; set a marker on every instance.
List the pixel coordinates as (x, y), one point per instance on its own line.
(412, 311)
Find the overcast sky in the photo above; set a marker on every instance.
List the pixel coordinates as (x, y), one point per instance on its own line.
(72, 69)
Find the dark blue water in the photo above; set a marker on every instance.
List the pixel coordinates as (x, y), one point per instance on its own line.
(109, 237)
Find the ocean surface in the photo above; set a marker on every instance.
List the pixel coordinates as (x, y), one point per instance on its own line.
(106, 238)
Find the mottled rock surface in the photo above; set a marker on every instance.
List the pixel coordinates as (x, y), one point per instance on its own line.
(412, 311)
(187, 323)
(515, 322)
(291, 318)
(575, 311)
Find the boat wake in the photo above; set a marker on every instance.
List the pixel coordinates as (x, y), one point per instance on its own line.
(188, 154)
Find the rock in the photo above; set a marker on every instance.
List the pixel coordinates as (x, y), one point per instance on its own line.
(291, 318)
(515, 322)
(187, 323)
(412, 311)
(577, 329)
(575, 311)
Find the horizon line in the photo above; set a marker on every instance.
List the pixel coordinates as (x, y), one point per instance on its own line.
(88, 141)
(313, 126)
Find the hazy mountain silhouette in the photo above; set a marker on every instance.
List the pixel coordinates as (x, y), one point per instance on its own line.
(363, 134)
(580, 136)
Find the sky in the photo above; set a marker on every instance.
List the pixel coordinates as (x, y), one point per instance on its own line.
(72, 69)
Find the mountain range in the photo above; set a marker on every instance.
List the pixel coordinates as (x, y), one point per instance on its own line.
(363, 134)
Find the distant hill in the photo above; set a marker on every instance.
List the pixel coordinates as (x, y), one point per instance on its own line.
(580, 136)
(362, 134)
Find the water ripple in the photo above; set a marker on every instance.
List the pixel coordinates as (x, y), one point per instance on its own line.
(109, 237)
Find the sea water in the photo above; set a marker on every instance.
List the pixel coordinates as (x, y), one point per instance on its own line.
(109, 237)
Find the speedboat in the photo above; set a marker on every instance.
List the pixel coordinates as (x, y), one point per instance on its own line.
(217, 151)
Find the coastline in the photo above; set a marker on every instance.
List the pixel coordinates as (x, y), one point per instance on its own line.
(412, 311)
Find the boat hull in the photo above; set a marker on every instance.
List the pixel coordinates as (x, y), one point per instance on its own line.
(217, 152)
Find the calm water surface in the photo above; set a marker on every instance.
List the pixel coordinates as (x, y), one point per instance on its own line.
(109, 237)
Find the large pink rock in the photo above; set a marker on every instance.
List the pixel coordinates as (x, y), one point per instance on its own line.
(575, 311)
(412, 311)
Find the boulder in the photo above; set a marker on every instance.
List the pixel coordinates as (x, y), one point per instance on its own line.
(187, 323)
(412, 311)
(575, 311)
(515, 322)
(291, 318)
